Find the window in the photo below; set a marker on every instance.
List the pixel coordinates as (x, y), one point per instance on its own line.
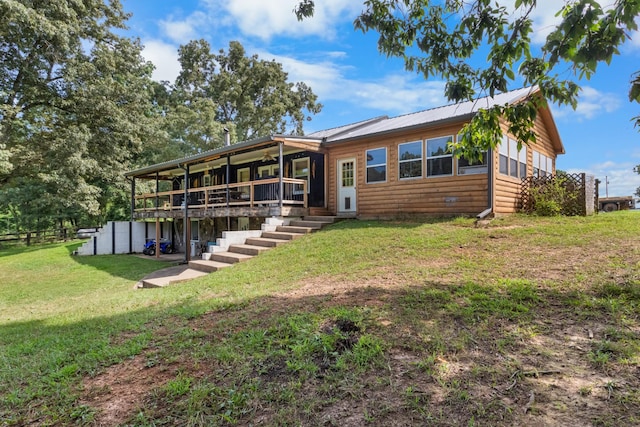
(522, 159)
(542, 165)
(376, 165)
(347, 174)
(243, 175)
(439, 158)
(268, 171)
(513, 162)
(469, 167)
(301, 170)
(410, 160)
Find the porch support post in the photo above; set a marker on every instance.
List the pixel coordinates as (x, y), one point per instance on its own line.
(280, 181)
(187, 246)
(157, 188)
(133, 209)
(133, 196)
(228, 177)
(157, 237)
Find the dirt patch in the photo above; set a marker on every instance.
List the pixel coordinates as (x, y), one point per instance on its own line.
(120, 389)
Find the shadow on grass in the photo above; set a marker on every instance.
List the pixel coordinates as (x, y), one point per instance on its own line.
(128, 266)
(442, 345)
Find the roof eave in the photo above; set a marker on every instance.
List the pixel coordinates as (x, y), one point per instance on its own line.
(445, 121)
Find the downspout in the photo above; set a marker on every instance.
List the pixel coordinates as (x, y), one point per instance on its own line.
(489, 210)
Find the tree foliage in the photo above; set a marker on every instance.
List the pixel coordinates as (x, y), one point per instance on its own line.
(75, 106)
(253, 94)
(78, 108)
(444, 38)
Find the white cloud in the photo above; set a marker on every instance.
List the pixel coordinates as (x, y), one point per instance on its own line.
(400, 93)
(265, 19)
(394, 94)
(181, 31)
(616, 179)
(591, 103)
(165, 57)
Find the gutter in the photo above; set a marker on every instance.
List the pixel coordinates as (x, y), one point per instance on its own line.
(463, 117)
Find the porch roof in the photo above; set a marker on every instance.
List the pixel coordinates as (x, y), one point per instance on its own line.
(246, 149)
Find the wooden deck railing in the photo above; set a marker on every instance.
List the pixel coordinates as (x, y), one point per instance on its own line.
(241, 194)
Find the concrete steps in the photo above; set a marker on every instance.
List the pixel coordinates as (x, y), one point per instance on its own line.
(230, 257)
(208, 266)
(281, 235)
(265, 242)
(313, 225)
(294, 229)
(253, 246)
(330, 219)
(248, 249)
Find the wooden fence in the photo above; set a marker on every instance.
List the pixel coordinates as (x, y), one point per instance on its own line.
(38, 236)
(577, 193)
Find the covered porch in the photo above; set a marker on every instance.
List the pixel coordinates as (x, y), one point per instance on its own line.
(272, 176)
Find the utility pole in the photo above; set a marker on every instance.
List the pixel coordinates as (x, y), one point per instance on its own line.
(606, 186)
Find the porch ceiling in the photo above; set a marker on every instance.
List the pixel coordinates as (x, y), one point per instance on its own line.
(246, 152)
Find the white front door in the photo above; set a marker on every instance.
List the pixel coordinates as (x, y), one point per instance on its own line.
(347, 185)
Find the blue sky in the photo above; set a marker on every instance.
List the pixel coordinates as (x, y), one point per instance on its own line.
(354, 81)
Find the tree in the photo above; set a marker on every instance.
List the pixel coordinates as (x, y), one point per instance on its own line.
(74, 106)
(443, 38)
(189, 124)
(253, 94)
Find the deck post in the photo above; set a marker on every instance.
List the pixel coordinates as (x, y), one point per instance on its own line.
(157, 237)
(157, 189)
(133, 210)
(280, 180)
(228, 177)
(187, 246)
(133, 197)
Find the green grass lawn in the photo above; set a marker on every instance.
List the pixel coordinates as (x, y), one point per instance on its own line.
(528, 321)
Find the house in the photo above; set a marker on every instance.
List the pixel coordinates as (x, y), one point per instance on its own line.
(378, 168)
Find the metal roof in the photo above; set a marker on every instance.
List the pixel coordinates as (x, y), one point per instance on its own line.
(421, 118)
(364, 128)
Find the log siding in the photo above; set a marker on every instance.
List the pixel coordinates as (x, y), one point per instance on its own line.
(406, 197)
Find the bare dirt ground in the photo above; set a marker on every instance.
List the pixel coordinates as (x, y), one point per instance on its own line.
(538, 372)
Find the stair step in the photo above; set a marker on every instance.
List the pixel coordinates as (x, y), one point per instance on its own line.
(315, 225)
(280, 235)
(230, 257)
(248, 249)
(293, 229)
(265, 242)
(207, 266)
(329, 219)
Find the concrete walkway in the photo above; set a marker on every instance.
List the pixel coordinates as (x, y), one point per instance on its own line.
(169, 275)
